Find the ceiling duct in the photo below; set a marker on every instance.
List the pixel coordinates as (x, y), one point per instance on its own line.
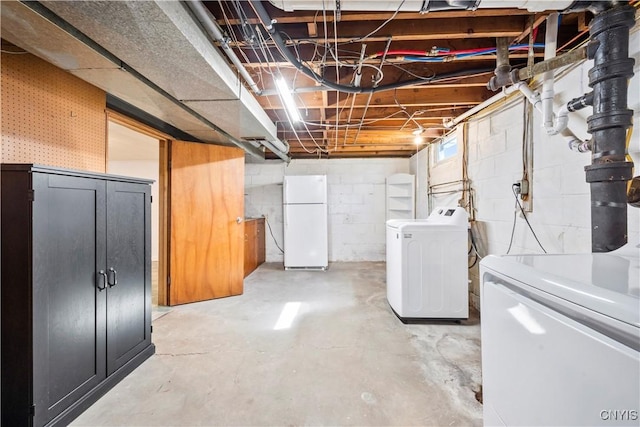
(153, 55)
(421, 6)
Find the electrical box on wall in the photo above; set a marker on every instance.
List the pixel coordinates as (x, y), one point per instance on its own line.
(522, 187)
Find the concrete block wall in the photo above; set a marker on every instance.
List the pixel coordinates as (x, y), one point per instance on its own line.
(560, 195)
(356, 202)
(561, 214)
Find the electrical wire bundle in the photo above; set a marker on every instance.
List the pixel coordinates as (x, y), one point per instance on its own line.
(327, 54)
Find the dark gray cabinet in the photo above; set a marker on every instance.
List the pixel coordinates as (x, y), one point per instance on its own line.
(76, 289)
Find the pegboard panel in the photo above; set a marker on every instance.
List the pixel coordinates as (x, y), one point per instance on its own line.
(51, 117)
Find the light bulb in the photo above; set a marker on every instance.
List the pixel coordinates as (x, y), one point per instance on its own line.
(287, 98)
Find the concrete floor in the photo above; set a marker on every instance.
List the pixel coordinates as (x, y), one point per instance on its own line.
(345, 360)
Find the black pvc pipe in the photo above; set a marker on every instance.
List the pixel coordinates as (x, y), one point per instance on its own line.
(592, 6)
(581, 102)
(609, 171)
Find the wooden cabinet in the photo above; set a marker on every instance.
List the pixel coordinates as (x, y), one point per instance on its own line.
(254, 244)
(250, 262)
(76, 289)
(401, 196)
(261, 252)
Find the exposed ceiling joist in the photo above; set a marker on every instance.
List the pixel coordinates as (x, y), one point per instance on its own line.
(360, 49)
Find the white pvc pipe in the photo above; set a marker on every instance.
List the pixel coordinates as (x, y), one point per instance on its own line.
(533, 97)
(530, 5)
(543, 103)
(413, 5)
(495, 98)
(562, 121)
(574, 143)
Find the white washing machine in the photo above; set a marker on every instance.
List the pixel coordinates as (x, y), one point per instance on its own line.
(561, 339)
(427, 270)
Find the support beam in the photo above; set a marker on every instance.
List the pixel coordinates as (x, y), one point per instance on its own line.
(407, 98)
(464, 82)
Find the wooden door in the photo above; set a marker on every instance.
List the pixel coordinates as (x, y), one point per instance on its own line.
(206, 232)
(128, 271)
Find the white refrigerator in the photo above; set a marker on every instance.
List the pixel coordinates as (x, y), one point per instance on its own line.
(306, 243)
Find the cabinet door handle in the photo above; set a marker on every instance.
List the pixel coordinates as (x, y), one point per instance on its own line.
(115, 277)
(104, 281)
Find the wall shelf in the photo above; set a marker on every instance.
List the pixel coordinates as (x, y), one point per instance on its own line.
(401, 196)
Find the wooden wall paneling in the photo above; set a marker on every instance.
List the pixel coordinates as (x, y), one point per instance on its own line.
(51, 117)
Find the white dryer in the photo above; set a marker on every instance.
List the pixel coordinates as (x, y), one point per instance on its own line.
(561, 339)
(427, 270)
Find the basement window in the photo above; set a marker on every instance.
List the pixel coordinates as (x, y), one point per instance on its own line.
(446, 149)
